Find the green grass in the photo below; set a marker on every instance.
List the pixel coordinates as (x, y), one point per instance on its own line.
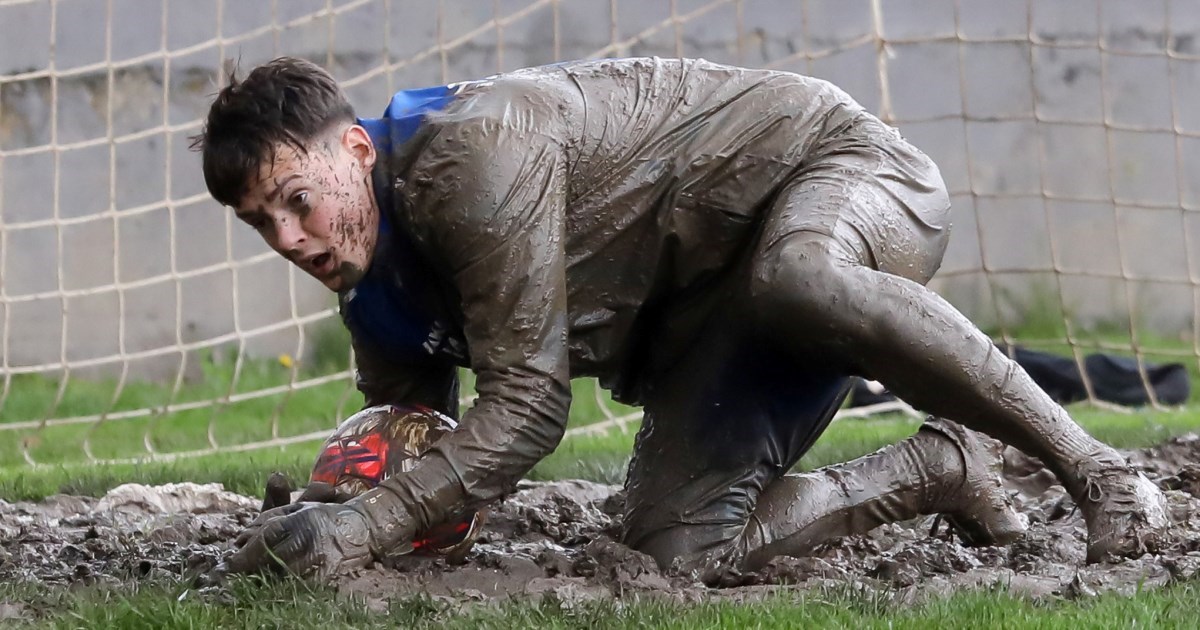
(240, 472)
(601, 457)
(63, 469)
(295, 604)
(296, 412)
(32, 398)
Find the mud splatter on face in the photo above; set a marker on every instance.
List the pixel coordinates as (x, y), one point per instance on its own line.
(315, 207)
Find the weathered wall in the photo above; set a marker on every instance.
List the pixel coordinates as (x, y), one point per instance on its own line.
(148, 261)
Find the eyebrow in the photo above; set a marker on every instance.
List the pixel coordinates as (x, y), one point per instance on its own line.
(271, 195)
(245, 215)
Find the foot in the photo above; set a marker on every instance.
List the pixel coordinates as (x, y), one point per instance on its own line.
(983, 513)
(1126, 513)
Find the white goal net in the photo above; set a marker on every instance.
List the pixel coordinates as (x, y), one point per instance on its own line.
(137, 320)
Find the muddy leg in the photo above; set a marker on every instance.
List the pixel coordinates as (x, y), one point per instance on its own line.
(943, 469)
(722, 424)
(909, 338)
(930, 355)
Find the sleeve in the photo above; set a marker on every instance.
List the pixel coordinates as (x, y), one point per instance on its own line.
(489, 204)
(432, 383)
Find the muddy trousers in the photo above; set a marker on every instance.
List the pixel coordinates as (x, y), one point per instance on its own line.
(708, 475)
(726, 507)
(833, 287)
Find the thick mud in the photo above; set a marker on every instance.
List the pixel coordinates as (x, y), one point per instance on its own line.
(556, 539)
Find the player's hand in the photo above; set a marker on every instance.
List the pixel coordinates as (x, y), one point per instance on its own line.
(306, 539)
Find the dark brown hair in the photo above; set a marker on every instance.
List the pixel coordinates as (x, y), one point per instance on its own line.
(286, 101)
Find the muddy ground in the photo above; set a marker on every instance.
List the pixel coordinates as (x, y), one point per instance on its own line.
(556, 539)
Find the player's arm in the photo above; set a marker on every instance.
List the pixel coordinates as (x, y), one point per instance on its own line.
(493, 216)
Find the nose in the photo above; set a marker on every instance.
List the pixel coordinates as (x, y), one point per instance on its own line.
(289, 235)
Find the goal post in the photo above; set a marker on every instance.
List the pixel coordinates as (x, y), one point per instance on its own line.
(137, 320)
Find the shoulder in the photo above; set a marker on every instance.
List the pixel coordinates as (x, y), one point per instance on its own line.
(530, 101)
(517, 115)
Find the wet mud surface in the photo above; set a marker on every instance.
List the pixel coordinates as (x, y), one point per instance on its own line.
(556, 539)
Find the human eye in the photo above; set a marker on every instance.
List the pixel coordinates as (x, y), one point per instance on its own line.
(299, 199)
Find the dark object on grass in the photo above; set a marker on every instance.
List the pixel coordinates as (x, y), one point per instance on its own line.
(1114, 379)
(278, 492)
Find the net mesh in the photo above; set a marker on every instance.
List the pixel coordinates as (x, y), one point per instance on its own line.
(140, 322)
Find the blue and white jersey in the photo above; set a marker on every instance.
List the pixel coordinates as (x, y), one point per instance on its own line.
(391, 309)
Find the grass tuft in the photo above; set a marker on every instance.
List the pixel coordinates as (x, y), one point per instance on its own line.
(297, 604)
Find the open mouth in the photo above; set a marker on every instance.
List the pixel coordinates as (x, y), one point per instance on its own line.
(321, 262)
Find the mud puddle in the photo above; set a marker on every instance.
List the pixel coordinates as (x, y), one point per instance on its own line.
(557, 539)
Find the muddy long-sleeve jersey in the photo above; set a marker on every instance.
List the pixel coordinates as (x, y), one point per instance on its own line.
(557, 222)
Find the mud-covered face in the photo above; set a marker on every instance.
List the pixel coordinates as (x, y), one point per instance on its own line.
(316, 206)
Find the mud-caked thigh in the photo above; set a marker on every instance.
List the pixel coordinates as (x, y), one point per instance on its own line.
(880, 201)
(730, 418)
(867, 203)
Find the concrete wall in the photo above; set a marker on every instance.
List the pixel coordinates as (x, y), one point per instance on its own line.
(1016, 117)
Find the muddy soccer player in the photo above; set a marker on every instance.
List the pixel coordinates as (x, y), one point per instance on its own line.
(723, 246)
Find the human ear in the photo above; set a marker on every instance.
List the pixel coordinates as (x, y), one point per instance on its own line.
(357, 141)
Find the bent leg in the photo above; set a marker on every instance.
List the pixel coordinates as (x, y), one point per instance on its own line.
(706, 489)
(839, 297)
(943, 469)
(723, 424)
(926, 352)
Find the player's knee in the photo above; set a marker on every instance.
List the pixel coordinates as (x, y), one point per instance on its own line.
(676, 540)
(660, 546)
(802, 281)
(678, 548)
